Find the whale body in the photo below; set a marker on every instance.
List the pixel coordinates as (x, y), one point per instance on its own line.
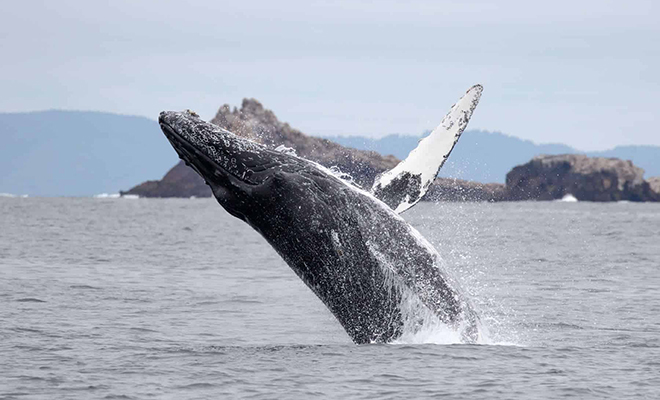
(377, 275)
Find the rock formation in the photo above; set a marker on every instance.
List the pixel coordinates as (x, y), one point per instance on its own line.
(587, 178)
(654, 183)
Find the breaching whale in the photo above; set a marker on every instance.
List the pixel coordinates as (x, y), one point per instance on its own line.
(377, 275)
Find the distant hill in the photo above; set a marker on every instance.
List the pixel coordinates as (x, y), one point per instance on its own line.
(79, 153)
(488, 156)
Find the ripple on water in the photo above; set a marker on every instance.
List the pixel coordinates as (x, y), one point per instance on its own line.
(30, 300)
(84, 287)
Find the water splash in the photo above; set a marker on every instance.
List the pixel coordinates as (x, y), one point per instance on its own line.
(286, 150)
(344, 176)
(442, 334)
(457, 231)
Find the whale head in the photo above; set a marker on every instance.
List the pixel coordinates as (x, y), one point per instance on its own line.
(235, 168)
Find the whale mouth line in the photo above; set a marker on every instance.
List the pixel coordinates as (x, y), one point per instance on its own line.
(204, 165)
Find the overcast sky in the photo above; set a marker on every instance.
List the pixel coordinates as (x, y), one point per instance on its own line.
(583, 73)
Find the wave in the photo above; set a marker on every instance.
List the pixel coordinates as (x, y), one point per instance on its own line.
(107, 196)
(116, 196)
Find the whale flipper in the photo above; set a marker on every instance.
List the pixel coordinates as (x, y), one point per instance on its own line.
(404, 185)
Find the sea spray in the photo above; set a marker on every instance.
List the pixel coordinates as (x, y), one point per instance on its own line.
(458, 231)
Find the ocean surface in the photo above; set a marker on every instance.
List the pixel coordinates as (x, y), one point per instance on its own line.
(175, 299)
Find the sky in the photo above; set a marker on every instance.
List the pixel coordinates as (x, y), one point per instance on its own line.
(583, 73)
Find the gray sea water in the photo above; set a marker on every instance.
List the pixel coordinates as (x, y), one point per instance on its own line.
(175, 299)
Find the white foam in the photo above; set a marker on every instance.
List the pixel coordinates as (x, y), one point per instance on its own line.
(441, 334)
(569, 198)
(430, 334)
(107, 196)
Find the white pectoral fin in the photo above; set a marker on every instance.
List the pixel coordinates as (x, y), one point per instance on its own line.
(404, 185)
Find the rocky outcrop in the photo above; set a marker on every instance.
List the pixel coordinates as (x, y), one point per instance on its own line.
(654, 183)
(255, 122)
(587, 178)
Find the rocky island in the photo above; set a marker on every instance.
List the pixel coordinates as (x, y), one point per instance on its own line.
(586, 178)
(545, 177)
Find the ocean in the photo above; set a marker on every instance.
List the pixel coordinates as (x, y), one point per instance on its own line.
(175, 299)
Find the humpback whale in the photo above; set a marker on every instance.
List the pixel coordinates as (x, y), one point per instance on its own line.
(377, 275)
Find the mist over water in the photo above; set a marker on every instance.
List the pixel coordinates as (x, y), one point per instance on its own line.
(116, 298)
